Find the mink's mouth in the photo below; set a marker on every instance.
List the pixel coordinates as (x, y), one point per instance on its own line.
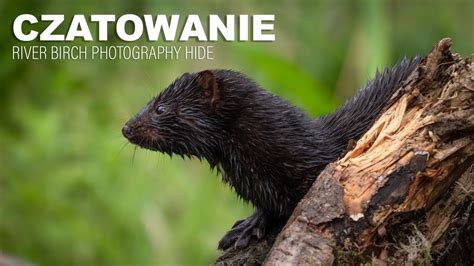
(139, 138)
(144, 143)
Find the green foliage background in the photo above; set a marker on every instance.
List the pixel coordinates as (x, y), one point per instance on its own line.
(72, 192)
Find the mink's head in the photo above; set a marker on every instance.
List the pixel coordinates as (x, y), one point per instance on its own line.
(183, 119)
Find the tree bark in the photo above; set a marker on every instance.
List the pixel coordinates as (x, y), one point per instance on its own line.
(403, 194)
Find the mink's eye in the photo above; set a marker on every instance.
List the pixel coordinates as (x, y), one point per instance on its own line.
(160, 109)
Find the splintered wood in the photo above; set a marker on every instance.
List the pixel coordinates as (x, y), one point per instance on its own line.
(383, 149)
(415, 161)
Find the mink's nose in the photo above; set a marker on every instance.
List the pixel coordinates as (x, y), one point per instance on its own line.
(126, 131)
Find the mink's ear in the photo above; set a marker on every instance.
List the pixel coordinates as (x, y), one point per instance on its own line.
(207, 82)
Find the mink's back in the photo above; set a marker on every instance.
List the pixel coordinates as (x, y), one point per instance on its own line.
(352, 120)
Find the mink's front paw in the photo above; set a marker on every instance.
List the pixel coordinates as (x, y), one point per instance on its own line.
(243, 231)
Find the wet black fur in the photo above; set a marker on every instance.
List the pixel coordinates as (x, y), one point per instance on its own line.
(269, 151)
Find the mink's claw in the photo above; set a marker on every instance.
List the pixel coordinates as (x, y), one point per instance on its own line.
(243, 231)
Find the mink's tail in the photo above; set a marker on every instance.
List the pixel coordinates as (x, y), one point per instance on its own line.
(352, 120)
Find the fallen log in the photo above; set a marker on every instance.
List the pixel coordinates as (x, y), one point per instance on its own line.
(403, 194)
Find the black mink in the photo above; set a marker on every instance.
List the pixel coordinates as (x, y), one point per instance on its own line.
(269, 151)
